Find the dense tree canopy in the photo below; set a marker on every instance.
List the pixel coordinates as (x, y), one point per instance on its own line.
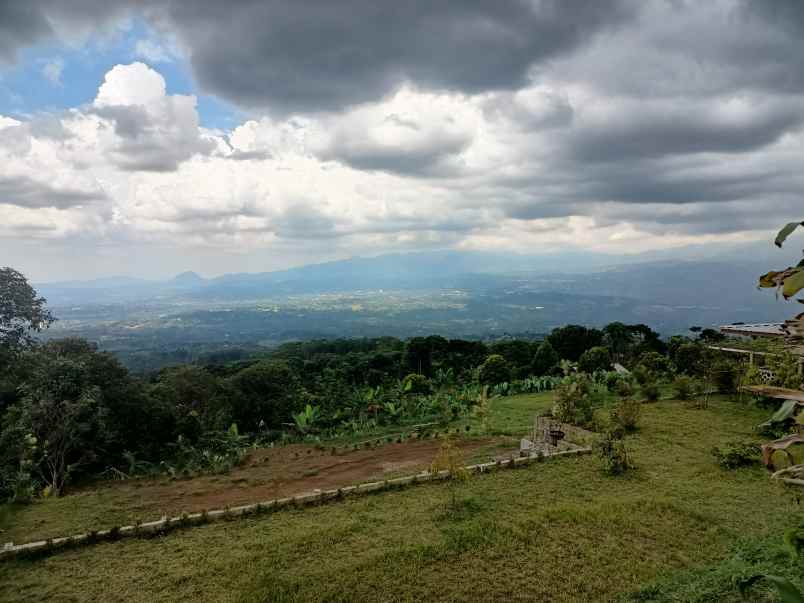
(573, 340)
(265, 394)
(595, 359)
(22, 312)
(545, 360)
(494, 370)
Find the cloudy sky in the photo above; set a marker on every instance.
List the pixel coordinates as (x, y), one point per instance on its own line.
(147, 138)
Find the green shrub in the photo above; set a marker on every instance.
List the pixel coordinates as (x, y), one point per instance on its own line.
(655, 362)
(595, 359)
(494, 370)
(785, 370)
(726, 374)
(575, 401)
(613, 453)
(650, 390)
(683, 387)
(624, 388)
(611, 380)
(689, 358)
(416, 384)
(737, 454)
(642, 374)
(626, 414)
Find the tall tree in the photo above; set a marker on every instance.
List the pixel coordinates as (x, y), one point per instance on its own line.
(545, 359)
(618, 337)
(22, 312)
(573, 340)
(267, 392)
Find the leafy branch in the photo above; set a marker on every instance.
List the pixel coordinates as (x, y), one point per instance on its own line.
(790, 280)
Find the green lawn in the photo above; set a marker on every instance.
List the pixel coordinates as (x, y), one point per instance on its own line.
(677, 528)
(511, 414)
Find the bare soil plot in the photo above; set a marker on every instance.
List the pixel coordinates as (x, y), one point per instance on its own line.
(267, 473)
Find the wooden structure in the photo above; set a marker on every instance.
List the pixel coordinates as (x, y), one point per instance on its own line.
(791, 475)
(787, 332)
(791, 335)
(780, 393)
(780, 445)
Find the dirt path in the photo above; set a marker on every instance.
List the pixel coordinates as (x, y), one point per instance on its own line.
(287, 471)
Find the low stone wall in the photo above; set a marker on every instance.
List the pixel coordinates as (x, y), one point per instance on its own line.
(165, 524)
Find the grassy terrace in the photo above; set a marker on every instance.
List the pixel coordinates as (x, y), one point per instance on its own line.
(117, 503)
(677, 528)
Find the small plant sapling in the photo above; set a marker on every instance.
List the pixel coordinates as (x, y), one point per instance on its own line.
(683, 387)
(613, 453)
(626, 414)
(450, 458)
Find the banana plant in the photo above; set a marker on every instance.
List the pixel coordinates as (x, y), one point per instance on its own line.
(443, 377)
(392, 410)
(306, 419)
(790, 280)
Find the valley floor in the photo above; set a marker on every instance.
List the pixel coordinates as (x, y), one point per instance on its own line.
(678, 528)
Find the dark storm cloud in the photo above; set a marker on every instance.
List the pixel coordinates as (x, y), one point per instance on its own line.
(687, 118)
(787, 14)
(432, 160)
(320, 54)
(27, 22)
(21, 24)
(715, 195)
(28, 193)
(677, 130)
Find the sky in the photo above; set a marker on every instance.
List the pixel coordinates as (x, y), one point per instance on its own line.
(147, 138)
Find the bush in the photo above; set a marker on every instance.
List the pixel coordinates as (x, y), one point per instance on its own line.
(416, 384)
(626, 414)
(611, 380)
(611, 450)
(575, 402)
(737, 454)
(624, 388)
(494, 370)
(651, 391)
(683, 387)
(595, 359)
(642, 374)
(689, 358)
(725, 374)
(785, 370)
(655, 362)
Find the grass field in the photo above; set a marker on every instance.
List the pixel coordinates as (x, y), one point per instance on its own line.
(678, 528)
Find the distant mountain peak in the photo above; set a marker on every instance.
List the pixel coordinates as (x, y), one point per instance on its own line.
(188, 278)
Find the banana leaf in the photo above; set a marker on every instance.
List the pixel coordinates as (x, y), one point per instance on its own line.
(786, 411)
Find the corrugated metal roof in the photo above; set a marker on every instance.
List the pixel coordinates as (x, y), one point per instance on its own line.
(763, 329)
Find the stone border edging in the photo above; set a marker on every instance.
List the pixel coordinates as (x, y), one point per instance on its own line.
(164, 525)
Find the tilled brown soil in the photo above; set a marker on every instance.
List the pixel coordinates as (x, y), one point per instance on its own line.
(288, 471)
